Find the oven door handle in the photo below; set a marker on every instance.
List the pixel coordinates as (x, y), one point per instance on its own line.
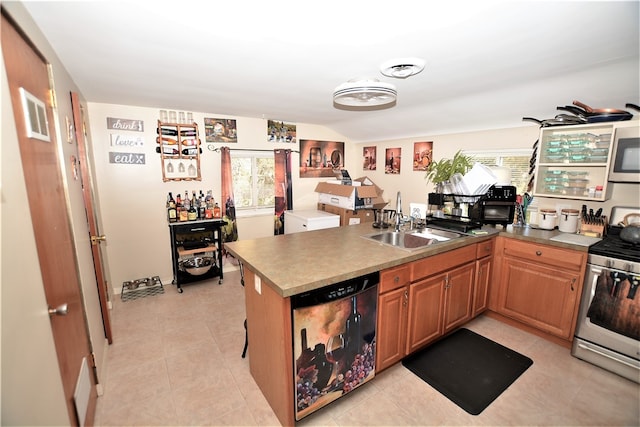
(596, 273)
(586, 347)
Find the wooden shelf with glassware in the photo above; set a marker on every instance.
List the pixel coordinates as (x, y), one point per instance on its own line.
(180, 148)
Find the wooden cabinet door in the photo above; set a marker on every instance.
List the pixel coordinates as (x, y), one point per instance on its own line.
(481, 290)
(392, 327)
(425, 312)
(539, 296)
(458, 293)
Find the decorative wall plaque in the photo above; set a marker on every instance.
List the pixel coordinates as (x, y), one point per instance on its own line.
(125, 124)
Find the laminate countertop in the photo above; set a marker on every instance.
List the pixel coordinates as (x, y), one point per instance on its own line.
(300, 262)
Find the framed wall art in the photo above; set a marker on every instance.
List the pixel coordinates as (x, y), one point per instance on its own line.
(220, 130)
(320, 158)
(279, 131)
(369, 158)
(392, 160)
(422, 155)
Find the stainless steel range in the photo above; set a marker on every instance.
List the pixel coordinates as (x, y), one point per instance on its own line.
(608, 329)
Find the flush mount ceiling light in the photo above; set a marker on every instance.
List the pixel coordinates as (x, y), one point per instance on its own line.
(366, 92)
(403, 67)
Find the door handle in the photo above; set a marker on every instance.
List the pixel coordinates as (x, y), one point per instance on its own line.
(60, 310)
(97, 239)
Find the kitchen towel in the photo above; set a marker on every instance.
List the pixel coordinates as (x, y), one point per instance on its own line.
(468, 369)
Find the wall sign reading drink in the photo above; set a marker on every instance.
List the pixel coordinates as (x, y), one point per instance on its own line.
(125, 124)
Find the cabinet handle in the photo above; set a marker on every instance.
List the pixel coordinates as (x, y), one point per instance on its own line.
(572, 282)
(406, 298)
(396, 279)
(538, 253)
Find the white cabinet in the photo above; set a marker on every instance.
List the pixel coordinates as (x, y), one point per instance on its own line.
(573, 161)
(307, 220)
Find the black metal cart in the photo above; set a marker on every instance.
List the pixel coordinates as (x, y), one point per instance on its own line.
(196, 251)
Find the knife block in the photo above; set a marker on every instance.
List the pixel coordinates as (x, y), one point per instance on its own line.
(594, 230)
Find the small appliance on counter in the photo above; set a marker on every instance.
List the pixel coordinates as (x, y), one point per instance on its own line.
(496, 207)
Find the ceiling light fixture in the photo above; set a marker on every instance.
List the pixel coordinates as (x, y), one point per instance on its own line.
(367, 92)
(403, 67)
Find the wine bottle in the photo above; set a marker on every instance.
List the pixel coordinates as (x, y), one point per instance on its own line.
(216, 211)
(168, 131)
(353, 332)
(306, 355)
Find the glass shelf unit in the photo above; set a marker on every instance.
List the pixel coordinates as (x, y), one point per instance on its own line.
(572, 162)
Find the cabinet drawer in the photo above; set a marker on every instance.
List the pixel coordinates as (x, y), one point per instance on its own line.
(394, 278)
(442, 262)
(549, 255)
(485, 248)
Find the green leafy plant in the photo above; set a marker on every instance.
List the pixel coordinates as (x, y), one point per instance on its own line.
(443, 169)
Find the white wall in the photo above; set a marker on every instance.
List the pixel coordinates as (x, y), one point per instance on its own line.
(133, 196)
(414, 187)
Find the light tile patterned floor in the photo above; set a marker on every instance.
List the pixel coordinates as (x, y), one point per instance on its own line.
(175, 361)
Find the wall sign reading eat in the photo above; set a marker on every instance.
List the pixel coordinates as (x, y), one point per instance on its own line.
(127, 158)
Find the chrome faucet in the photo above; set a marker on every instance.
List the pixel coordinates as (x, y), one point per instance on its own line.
(398, 211)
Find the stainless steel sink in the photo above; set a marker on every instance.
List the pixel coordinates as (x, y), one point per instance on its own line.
(412, 240)
(437, 234)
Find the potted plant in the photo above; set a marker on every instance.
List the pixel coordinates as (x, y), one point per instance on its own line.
(440, 172)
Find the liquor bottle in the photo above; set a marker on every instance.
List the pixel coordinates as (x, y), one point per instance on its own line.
(201, 208)
(208, 209)
(192, 214)
(172, 213)
(216, 211)
(186, 202)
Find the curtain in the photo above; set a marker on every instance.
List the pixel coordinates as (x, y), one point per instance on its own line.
(229, 231)
(284, 188)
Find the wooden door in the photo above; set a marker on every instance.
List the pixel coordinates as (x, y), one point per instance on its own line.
(391, 330)
(425, 312)
(539, 296)
(458, 294)
(28, 70)
(481, 289)
(87, 194)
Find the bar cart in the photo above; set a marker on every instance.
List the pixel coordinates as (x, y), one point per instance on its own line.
(196, 251)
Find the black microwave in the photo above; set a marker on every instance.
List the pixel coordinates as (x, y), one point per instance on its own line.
(625, 156)
(497, 206)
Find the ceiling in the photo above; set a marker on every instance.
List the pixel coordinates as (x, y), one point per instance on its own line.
(488, 63)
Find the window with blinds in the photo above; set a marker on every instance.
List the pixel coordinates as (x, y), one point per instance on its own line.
(516, 160)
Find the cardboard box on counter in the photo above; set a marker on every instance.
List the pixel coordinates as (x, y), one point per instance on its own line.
(363, 194)
(348, 216)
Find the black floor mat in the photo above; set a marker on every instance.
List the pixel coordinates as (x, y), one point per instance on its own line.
(467, 368)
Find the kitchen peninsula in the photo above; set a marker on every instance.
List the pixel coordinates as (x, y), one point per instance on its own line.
(279, 267)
